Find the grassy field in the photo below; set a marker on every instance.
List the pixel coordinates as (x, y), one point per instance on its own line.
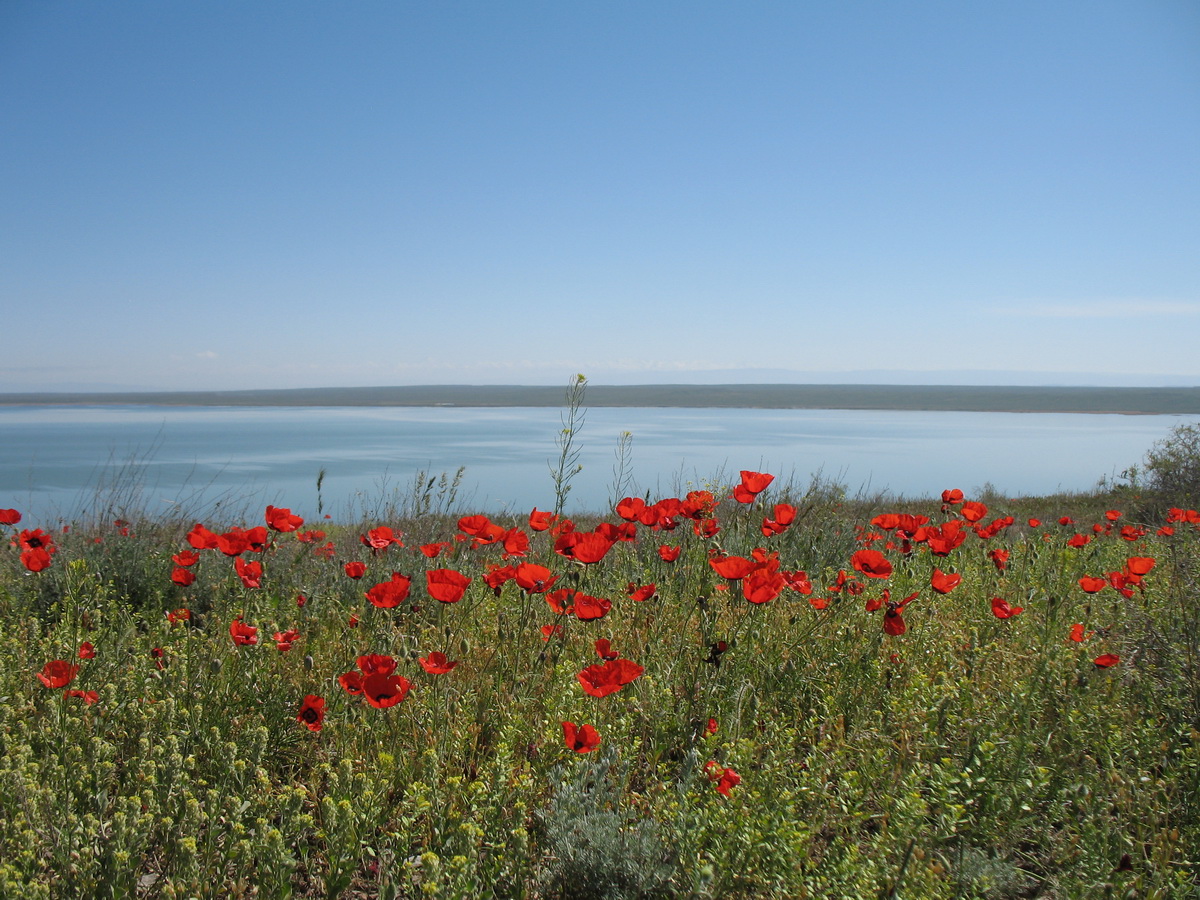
(762, 691)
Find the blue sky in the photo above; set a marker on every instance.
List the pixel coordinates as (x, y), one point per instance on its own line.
(228, 195)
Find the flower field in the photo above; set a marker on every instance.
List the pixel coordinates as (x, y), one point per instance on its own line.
(751, 690)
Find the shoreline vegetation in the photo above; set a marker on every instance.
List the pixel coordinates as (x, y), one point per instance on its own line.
(956, 398)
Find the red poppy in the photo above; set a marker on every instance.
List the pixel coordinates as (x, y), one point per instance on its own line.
(9, 517)
(732, 567)
(944, 582)
(432, 551)
(1107, 660)
(446, 585)
(516, 543)
(725, 780)
(973, 510)
(1079, 540)
(234, 542)
(242, 634)
(604, 649)
(186, 558)
(588, 607)
(893, 616)
(1035, 523)
(310, 537)
(944, 539)
(609, 677)
(390, 594)
(385, 691)
(179, 615)
(541, 520)
(710, 728)
(1078, 635)
(88, 697)
(871, 563)
(380, 538)
(583, 739)
(351, 682)
(669, 554)
(201, 538)
(1001, 609)
(312, 712)
(534, 579)
(952, 496)
(1092, 584)
(356, 569)
(1139, 565)
(585, 547)
(1112, 515)
(282, 519)
(285, 639)
(36, 560)
(549, 631)
(58, 673)
(377, 664)
(999, 558)
(436, 663)
(183, 577)
(762, 585)
(87, 651)
(755, 482)
(250, 572)
(641, 593)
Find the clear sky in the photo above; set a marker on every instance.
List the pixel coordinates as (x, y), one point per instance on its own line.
(256, 194)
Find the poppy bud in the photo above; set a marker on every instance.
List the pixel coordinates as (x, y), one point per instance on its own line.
(464, 647)
(215, 666)
(308, 663)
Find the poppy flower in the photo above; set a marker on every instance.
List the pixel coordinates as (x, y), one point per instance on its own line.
(534, 579)
(1001, 609)
(87, 651)
(356, 569)
(1092, 584)
(36, 560)
(436, 663)
(285, 639)
(432, 551)
(669, 554)
(250, 572)
(755, 482)
(893, 616)
(973, 510)
(88, 697)
(446, 585)
(762, 586)
(944, 539)
(243, 635)
(586, 547)
(732, 567)
(710, 728)
(516, 543)
(641, 593)
(234, 542)
(583, 739)
(999, 558)
(58, 673)
(351, 682)
(944, 582)
(183, 577)
(9, 517)
(312, 712)
(709, 528)
(279, 519)
(1077, 633)
(385, 691)
(310, 537)
(549, 631)
(541, 520)
(380, 538)
(952, 496)
(1107, 660)
(186, 558)
(1078, 541)
(609, 677)
(630, 508)
(1139, 565)
(871, 563)
(587, 607)
(724, 780)
(389, 594)
(1066, 520)
(376, 664)
(1112, 515)
(1035, 523)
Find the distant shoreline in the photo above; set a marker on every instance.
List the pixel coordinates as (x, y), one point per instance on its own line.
(964, 398)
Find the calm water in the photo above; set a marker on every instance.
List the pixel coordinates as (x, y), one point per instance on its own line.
(54, 461)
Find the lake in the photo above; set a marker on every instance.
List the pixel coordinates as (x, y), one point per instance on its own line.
(54, 460)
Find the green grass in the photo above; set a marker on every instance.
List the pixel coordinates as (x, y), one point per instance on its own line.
(970, 757)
